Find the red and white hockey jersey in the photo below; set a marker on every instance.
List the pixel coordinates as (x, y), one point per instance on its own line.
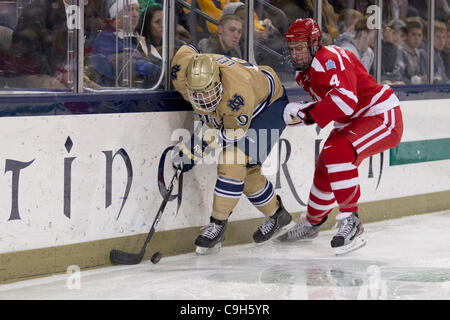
(343, 89)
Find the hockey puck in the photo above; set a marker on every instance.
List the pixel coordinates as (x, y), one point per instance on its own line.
(156, 257)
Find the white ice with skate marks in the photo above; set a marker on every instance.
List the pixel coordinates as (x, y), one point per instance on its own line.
(406, 258)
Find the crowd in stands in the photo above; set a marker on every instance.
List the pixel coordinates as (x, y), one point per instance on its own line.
(123, 43)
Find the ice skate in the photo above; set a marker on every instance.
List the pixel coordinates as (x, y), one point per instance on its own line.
(210, 241)
(350, 235)
(303, 231)
(273, 225)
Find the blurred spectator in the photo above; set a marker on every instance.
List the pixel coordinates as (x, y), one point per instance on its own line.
(150, 26)
(362, 5)
(330, 19)
(411, 61)
(358, 5)
(326, 40)
(339, 5)
(442, 10)
(294, 9)
(360, 44)
(305, 9)
(394, 10)
(5, 39)
(94, 21)
(347, 21)
(424, 24)
(397, 32)
(226, 40)
(418, 8)
(267, 34)
(40, 39)
(145, 4)
(182, 36)
(270, 37)
(446, 53)
(39, 56)
(440, 37)
(119, 49)
(393, 36)
(214, 8)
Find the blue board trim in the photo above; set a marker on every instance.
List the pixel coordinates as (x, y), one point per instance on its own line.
(63, 103)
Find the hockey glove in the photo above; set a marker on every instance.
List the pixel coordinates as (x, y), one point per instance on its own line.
(296, 113)
(182, 158)
(186, 155)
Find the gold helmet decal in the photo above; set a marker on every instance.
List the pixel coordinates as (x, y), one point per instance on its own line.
(203, 83)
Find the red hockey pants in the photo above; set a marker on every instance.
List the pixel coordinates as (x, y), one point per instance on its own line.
(336, 172)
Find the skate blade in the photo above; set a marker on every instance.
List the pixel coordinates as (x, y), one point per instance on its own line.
(279, 233)
(356, 244)
(205, 251)
(282, 231)
(294, 241)
(291, 225)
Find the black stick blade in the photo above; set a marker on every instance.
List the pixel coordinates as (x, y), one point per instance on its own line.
(121, 257)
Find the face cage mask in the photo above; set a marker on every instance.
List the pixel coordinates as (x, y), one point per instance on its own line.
(206, 101)
(290, 60)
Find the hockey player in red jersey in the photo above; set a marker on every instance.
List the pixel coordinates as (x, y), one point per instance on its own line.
(367, 120)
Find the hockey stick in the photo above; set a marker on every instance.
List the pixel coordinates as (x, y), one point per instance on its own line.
(121, 257)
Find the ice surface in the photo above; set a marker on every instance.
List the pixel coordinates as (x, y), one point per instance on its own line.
(407, 258)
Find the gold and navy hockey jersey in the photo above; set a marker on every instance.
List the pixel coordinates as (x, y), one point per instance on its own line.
(247, 90)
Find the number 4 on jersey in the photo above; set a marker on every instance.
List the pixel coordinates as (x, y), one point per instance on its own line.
(334, 81)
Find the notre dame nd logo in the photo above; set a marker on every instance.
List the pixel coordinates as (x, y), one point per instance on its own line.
(236, 102)
(174, 71)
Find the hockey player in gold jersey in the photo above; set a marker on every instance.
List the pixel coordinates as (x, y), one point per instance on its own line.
(245, 104)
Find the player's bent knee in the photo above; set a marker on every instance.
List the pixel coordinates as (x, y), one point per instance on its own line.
(338, 149)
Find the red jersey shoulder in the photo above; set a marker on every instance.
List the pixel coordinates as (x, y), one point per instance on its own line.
(331, 58)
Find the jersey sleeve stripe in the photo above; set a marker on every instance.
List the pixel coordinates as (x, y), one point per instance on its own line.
(348, 93)
(386, 105)
(389, 101)
(266, 102)
(193, 48)
(317, 66)
(344, 107)
(378, 95)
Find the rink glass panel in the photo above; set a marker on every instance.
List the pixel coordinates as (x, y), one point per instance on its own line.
(43, 51)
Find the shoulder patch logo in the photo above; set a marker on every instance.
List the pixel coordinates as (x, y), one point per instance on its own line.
(236, 102)
(174, 71)
(330, 64)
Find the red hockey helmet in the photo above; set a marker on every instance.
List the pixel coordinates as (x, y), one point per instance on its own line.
(303, 30)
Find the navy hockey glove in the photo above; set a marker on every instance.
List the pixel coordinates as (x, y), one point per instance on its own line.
(186, 155)
(182, 158)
